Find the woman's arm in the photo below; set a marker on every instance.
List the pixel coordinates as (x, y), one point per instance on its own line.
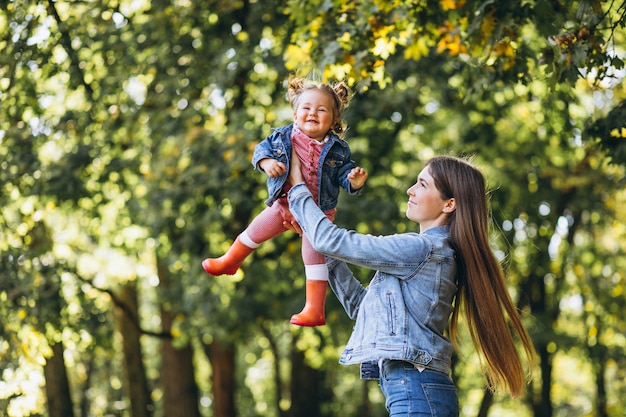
(347, 288)
(395, 254)
(295, 173)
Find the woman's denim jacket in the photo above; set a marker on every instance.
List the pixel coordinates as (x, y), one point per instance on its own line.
(404, 311)
(334, 167)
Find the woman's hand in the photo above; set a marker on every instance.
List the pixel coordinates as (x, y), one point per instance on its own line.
(295, 177)
(293, 226)
(295, 172)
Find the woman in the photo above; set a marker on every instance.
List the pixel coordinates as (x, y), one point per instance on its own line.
(402, 315)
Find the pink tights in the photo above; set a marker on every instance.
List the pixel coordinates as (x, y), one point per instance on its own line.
(269, 224)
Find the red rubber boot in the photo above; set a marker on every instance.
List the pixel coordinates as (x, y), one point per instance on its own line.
(313, 312)
(228, 263)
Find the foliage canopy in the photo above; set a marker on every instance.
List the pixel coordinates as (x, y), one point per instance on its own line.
(126, 131)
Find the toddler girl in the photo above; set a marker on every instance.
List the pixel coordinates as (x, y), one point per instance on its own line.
(316, 136)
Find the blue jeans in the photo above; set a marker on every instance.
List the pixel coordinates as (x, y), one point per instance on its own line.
(409, 392)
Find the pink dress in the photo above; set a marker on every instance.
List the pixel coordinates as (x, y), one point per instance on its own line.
(308, 151)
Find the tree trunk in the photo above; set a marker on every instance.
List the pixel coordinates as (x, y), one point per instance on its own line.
(57, 385)
(180, 391)
(136, 381)
(544, 409)
(84, 402)
(222, 359)
(485, 404)
(601, 400)
(278, 380)
(365, 408)
(306, 386)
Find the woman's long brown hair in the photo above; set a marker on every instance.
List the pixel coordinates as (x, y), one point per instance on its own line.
(482, 287)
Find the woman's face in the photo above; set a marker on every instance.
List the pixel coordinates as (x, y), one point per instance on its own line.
(315, 113)
(425, 205)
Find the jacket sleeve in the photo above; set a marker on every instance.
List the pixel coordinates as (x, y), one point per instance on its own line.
(348, 166)
(262, 150)
(347, 288)
(399, 255)
(276, 146)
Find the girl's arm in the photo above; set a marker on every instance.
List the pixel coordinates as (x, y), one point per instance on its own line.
(351, 177)
(262, 150)
(272, 167)
(357, 177)
(272, 147)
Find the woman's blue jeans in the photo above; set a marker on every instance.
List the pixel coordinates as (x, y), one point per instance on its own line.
(411, 392)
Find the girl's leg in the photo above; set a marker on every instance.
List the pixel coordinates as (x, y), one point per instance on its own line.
(267, 224)
(316, 282)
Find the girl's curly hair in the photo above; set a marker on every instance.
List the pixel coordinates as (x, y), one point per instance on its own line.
(339, 91)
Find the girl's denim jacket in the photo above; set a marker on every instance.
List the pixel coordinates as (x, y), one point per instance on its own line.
(334, 167)
(404, 311)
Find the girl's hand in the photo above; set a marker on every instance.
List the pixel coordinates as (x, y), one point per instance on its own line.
(272, 167)
(357, 178)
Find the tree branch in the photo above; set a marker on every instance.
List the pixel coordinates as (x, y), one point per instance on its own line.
(66, 42)
(126, 310)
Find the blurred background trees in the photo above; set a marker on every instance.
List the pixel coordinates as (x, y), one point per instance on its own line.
(126, 131)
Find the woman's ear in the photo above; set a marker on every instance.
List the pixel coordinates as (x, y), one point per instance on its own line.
(449, 206)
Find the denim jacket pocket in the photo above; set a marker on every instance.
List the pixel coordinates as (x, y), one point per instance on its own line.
(390, 306)
(279, 151)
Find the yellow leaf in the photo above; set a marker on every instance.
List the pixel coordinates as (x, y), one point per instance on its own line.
(488, 25)
(451, 4)
(508, 64)
(338, 71)
(378, 63)
(345, 38)
(315, 25)
(618, 133)
(379, 75)
(451, 43)
(441, 46)
(416, 50)
(297, 56)
(384, 47)
(457, 48)
(382, 31)
(504, 48)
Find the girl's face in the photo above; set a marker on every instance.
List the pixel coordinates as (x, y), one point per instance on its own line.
(315, 113)
(425, 205)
